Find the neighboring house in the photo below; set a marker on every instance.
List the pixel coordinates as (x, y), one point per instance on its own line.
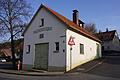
(5, 48)
(54, 43)
(110, 41)
(119, 41)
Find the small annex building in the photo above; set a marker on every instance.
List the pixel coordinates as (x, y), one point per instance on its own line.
(55, 43)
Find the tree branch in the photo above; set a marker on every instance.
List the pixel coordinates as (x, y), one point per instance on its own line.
(5, 24)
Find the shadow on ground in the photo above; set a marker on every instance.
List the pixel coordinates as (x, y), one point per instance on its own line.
(109, 68)
(6, 65)
(86, 66)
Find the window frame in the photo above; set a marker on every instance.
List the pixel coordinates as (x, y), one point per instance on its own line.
(81, 48)
(42, 22)
(41, 36)
(57, 46)
(28, 49)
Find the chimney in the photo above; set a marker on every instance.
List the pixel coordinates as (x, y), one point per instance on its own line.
(107, 30)
(75, 17)
(99, 31)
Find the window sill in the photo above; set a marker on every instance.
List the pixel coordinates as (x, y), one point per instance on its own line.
(82, 53)
(55, 51)
(27, 52)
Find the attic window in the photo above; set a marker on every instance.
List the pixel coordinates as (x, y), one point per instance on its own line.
(56, 47)
(81, 25)
(42, 22)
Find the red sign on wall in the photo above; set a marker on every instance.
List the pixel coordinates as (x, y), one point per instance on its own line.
(71, 41)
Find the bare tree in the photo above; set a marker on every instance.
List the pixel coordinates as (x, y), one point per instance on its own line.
(91, 28)
(13, 14)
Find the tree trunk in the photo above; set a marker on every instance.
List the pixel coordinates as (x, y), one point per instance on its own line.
(13, 51)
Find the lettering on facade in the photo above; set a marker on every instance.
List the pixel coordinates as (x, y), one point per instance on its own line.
(42, 29)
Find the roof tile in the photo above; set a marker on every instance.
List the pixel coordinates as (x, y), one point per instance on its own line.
(106, 36)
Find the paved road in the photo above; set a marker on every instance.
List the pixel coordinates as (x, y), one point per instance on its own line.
(7, 65)
(80, 76)
(109, 68)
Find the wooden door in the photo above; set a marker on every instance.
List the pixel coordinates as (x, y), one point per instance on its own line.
(41, 56)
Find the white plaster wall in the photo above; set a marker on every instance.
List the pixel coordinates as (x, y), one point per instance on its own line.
(113, 44)
(58, 29)
(106, 44)
(89, 49)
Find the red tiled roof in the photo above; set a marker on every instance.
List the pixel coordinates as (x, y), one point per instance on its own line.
(68, 22)
(106, 36)
(7, 51)
(5, 48)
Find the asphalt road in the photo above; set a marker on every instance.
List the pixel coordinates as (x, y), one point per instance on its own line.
(80, 76)
(109, 68)
(6, 65)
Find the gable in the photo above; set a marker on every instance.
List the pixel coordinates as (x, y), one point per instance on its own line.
(67, 22)
(116, 39)
(51, 23)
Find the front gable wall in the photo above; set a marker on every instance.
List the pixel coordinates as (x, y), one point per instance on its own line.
(49, 21)
(54, 31)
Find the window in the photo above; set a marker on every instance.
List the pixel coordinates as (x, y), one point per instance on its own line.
(103, 48)
(98, 49)
(81, 48)
(81, 25)
(41, 36)
(28, 49)
(57, 46)
(42, 22)
(108, 47)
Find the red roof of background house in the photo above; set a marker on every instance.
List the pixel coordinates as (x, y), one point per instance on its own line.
(106, 36)
(5, 48)
(7, 51)
(68, 22)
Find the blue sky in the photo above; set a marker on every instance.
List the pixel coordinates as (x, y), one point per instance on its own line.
(104, 13)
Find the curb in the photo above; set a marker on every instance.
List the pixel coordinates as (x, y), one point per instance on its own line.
(33, 73)
(27, 73)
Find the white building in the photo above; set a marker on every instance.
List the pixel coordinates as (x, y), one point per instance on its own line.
(47, 41)
(110, 41)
